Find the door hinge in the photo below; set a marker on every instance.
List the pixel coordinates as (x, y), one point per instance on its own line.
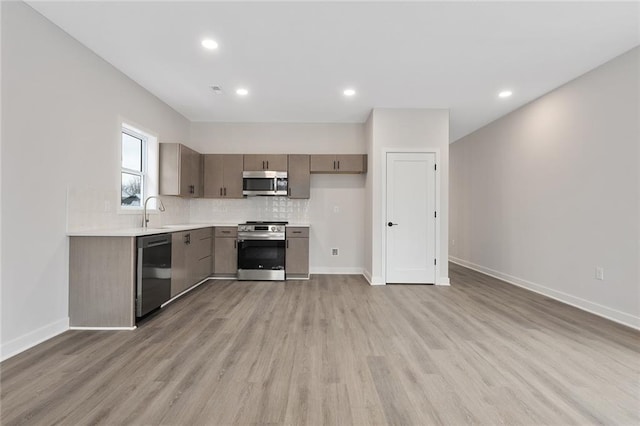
(435, 214)
(435, 167)
(434, 261)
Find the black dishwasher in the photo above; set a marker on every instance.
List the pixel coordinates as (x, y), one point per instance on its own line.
(153, 284)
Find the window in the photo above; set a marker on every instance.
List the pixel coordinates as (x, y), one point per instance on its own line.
(133, 176)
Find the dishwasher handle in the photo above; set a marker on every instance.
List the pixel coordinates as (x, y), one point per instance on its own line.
(154, 240)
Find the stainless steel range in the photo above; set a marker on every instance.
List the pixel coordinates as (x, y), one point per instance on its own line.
(261, 251)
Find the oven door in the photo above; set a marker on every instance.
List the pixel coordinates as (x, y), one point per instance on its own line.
(261, 260)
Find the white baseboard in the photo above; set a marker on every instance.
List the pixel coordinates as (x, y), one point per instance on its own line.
(373, 280)
(29, 340)
(444, 281)
(104, 328)
(336, 271)
(577, 302)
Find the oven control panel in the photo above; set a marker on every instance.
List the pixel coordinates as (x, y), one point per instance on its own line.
(261, 228)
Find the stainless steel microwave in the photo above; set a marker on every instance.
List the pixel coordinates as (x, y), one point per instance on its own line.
(264, 183)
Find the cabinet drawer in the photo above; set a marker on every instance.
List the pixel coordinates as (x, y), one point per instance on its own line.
(297, 232)
(226, 231)
(201, 247)
(200, 234)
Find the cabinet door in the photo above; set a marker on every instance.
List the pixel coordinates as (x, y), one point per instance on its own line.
(351, 163)
(169, 169)
(253, 162)
(225, 258)
(197, 175)
(323, 163)
(178, 262)
(213, 175)
(232, 176)
(297, 258)
(186, 171)
(299, 177)
(274, 162)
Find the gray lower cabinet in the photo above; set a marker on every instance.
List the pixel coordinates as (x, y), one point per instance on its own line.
(225, 256)
(102, 281)
(297, 253)
(191, 253)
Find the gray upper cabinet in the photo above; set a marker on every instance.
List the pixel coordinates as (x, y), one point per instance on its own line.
(223, 175)
(274, 162)
(180, 171)
(345, 163)
(299, 176)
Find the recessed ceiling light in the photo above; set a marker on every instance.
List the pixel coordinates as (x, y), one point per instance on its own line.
(207, 43)
(242, 91)
(505, 93)
(349, 92)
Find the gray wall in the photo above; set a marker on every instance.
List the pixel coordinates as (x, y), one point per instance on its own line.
(61, 118)
(545, 194)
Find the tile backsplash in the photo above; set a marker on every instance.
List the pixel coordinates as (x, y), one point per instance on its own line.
(97, 208)
(251, 208)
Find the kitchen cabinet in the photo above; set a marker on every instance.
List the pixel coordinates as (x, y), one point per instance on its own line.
(297, 253)
(225, 256)
(273, 162)
(102, 281)
(181, 171)
(223, 175)
(191, 258)
(200, 260)
(299, 176)
(346, 163)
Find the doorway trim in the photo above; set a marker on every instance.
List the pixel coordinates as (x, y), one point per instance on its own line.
(383, 212)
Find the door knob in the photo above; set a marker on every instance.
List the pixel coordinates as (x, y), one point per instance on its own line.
(391, 224)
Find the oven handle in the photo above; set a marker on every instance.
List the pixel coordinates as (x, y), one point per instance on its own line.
(261, 237)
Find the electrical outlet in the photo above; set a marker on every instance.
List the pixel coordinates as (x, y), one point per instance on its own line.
(334, 252)
(599, 273)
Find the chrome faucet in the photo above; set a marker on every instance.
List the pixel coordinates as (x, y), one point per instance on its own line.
(145, 216)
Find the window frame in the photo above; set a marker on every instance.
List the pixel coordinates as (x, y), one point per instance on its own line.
(144, 153)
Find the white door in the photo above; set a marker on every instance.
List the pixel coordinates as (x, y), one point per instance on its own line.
(411, 221)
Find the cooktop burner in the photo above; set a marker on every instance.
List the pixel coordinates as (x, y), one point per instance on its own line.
(265, 222)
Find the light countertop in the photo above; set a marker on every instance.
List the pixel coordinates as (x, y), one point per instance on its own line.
(139, 232)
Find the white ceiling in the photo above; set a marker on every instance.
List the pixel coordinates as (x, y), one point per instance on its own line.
(296, 58)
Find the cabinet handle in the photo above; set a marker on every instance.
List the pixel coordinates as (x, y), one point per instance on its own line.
(221, 192)
(187, 239)
(297, 232)
(289, 191)
(262, 164)
(338, 164)
(235, 243)
(225, 192)
(334, 164)
(287, 243)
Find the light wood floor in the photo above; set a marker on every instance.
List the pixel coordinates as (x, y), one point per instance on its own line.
(335, 350)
